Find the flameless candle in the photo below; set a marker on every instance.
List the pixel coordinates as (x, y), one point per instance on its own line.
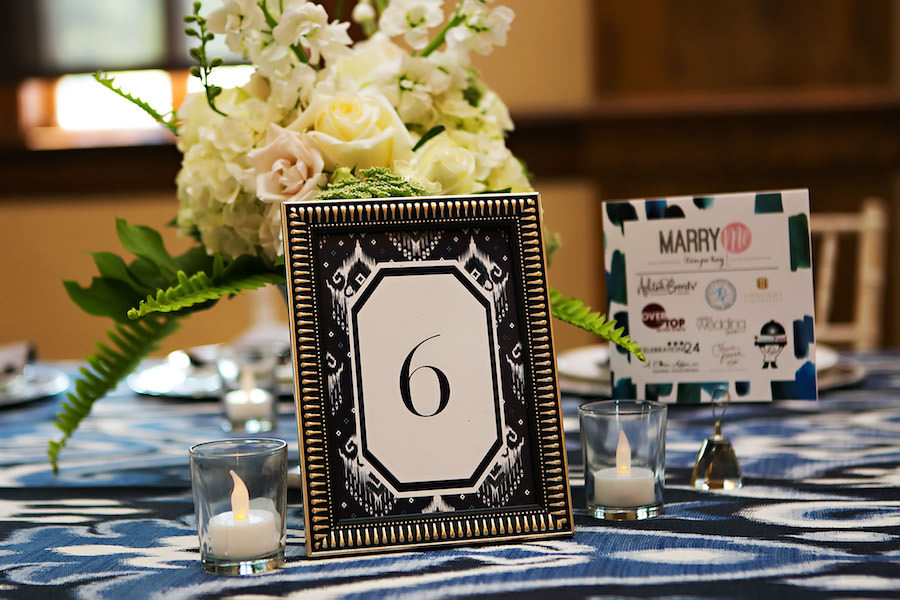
(624, 485)
(249, 402)
(243, 532)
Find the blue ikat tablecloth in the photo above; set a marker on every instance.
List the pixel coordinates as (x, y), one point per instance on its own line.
(819, 514)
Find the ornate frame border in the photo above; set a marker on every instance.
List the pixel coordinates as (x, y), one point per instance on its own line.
(548, 516)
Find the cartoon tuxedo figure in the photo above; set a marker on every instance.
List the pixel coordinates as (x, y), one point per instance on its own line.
(771, 341)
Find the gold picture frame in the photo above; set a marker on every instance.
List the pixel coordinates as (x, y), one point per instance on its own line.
(425, 382)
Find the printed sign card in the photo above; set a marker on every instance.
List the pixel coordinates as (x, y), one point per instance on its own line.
(717, 291)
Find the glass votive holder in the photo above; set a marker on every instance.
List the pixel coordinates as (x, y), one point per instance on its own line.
(624, 448)
(240, 495)
(249, 388)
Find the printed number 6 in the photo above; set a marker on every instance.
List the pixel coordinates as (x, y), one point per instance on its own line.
(405, 376)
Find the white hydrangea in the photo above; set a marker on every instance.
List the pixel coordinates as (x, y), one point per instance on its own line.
(412, 19)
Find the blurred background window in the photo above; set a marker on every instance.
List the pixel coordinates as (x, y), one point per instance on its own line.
(83, 35)
(59, 43)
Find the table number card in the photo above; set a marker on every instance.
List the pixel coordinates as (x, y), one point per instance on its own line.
(717, 290)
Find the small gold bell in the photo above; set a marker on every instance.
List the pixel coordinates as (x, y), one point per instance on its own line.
(717, 465)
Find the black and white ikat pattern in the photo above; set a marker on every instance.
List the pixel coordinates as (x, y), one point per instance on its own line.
(347, 259)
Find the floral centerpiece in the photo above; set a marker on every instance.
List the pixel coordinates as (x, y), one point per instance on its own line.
(400, 113)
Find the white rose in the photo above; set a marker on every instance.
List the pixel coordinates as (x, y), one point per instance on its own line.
(354, 130)
(510, 175)
(446, 162)
(288, 167)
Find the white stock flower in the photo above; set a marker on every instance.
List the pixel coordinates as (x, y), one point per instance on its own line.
(239, 20)
(481, 29)
(413, 90)
(307, 24)
(355, 130)
(287, 167)
(412, 19)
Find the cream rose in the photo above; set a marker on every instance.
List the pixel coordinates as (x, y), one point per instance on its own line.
(355, 130)
(288, 167)
(442, 160)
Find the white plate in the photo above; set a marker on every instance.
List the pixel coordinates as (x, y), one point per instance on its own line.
(33, 383)
(589, 363)
(826, 357)
(172, 381)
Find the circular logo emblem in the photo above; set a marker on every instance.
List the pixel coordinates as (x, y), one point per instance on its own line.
(721, 294)
(736, 237)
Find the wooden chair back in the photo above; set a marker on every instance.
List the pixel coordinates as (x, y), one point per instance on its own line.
(868, 228)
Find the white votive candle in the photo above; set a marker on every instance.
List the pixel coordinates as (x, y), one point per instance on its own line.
(623, 486)
(617, 489)
(243, 533)
(244, 405)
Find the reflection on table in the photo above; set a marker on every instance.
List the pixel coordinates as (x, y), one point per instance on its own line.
(819, 511)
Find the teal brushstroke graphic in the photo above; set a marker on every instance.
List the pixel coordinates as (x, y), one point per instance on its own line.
(692, 393)
(655, 391)
(803, 387)
(619, 212)
(803, 336)
(768, 203)
(703, 202)
(655, 209)
(621, 319)
(616, 291)
(798, 241)
(624, 389)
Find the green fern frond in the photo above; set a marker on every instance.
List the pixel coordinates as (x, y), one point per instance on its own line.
(574, 312)
(107, 81)
(131, 342)
(199, 288)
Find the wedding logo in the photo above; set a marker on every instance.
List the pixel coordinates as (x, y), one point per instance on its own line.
(654, 316)
(721, 294)
(726, 325)
(762, 283)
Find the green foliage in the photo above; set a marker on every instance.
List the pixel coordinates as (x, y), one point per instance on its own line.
(376, 182)
(574, 312)
(428, 135)
(199, 288)
(107, 81)
(131, 342)
(154, 282)
(205, 66)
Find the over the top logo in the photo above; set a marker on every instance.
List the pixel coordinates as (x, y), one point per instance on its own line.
(654, 316)
(735, 237)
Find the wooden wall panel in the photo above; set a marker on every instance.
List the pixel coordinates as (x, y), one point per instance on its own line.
(651, 46)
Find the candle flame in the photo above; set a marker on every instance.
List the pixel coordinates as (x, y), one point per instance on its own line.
(240, 498)
(623, 455)
(248, 381)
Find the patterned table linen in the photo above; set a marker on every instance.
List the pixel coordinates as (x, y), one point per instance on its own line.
(819, 513)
